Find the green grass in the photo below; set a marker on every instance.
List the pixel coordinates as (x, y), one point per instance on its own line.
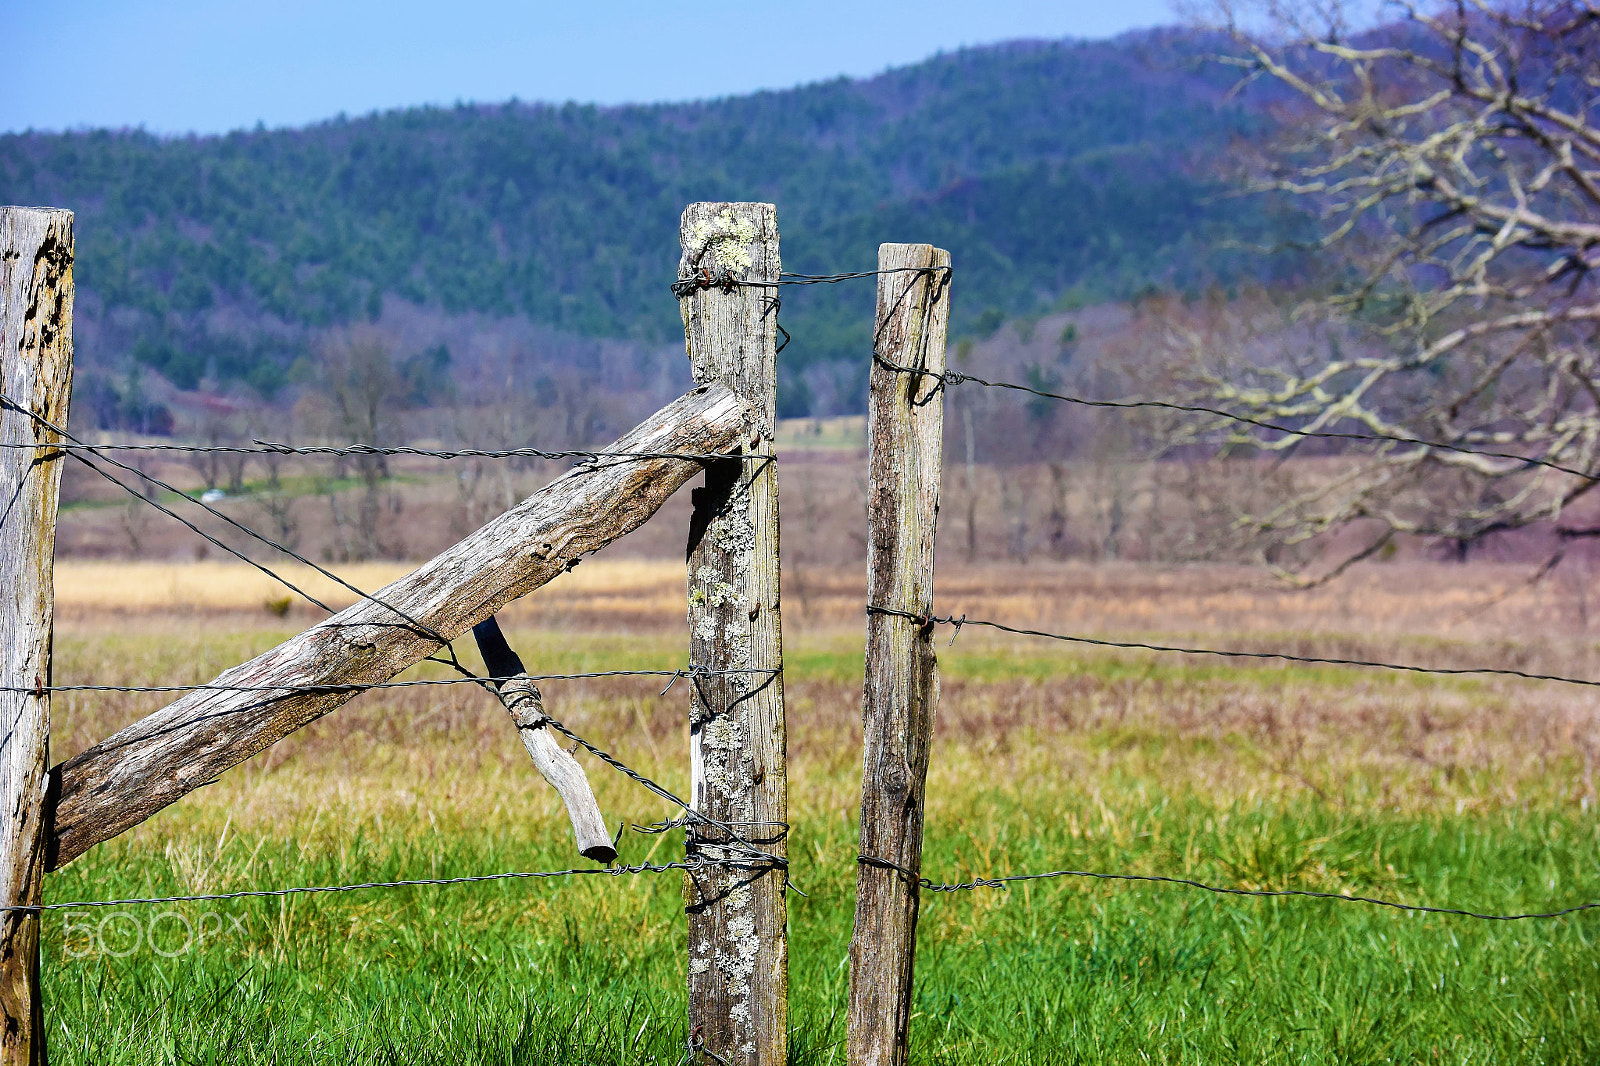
(590, 970)
(1061, 971)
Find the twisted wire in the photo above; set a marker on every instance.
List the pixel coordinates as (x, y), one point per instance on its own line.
(749, 853)
(953, 377)
(614, 871)
(444, 642)
(963, 620)
(357, 686)
(1001, 882)
(738, 851)
(263, 447)
(79, 451)
(741, 853)
(726, 282)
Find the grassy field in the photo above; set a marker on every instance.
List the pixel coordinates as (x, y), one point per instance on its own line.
(1453, 791)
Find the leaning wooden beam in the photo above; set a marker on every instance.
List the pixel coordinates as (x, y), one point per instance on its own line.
(555, 764)
(131, 775)
(36, 377)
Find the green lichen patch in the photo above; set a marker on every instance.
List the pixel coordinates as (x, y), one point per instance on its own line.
(725, 240)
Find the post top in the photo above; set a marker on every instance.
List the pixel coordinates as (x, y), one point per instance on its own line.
(911, 255)
(23, 230)
(729, 239)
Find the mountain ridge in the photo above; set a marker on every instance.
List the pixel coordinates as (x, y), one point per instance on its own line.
(1052, 170)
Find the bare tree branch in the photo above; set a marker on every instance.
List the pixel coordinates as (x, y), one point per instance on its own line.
(1453, 160)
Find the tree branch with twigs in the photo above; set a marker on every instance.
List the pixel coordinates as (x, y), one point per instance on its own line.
(1451, 160)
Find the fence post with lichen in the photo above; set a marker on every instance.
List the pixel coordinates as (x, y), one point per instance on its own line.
(36, 378)
(737, 913)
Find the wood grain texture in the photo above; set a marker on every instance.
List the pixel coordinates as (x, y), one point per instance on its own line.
(738, 946)
(126, 778)
(36, 375)
(900, 694)
(526, 706)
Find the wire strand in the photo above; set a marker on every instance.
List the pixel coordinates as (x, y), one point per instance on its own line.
(953, 377)
(273, 448)
(725, 281)
(354, 686)
(929, 619)
(615, 871)
(1001, 882)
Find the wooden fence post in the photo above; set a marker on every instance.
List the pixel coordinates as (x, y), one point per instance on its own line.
(36, 377)
(737, 914)
(900, 694)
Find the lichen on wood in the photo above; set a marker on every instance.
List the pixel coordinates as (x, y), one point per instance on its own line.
(738, 951)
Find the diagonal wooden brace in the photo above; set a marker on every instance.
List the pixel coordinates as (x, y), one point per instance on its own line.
(136, 772)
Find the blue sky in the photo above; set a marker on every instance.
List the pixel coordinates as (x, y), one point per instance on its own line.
(176, 66)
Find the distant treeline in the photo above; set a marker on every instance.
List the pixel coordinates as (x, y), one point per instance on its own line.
(1054, 172)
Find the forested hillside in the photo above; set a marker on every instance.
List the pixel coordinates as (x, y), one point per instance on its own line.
(1055, 172)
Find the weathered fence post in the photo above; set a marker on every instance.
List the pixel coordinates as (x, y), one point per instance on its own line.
(36, 378)
(737, 914)
(905, 424)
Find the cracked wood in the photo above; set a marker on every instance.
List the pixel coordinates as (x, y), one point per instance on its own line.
(36, 375)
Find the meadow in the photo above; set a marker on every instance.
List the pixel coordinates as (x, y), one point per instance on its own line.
(1452, 791)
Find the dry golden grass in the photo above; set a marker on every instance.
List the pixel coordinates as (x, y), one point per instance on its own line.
(1480, 602)
(85, 586)
(162, 592)
(1017, 713)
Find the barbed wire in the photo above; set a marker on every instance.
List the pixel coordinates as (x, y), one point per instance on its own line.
(954, 377)
(79, 450)
(359, 686)
(614, 871)
(749, 853)
(267, 447)
(734, 842)
(737, 851)
(426, 630)
(741, 851)
(1001, 882)
(963, 620)
(830, 279)
(724, 280)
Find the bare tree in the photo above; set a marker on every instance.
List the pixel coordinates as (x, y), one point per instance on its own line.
(1452, 159)
(362, 391)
